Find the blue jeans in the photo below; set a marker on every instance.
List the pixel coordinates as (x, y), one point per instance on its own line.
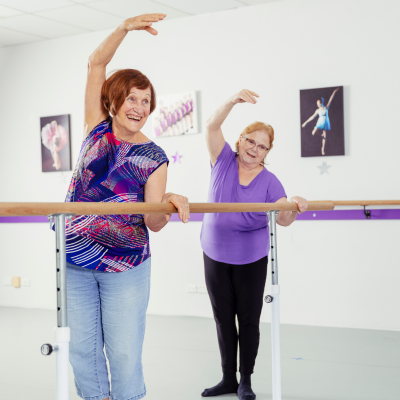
(108, 311)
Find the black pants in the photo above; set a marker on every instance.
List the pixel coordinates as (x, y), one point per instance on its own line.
(237, 290)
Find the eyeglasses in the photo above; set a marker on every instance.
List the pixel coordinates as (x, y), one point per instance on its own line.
(259, 147)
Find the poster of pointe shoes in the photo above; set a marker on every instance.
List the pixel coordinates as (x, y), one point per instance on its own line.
(55, 143)
(176, 114)
(322, 122)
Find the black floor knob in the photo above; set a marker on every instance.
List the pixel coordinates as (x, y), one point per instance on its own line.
(268, 299)
(46, 349)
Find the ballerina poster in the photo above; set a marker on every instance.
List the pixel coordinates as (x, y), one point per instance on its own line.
(176, 114)
(322, 122)
(55, 143)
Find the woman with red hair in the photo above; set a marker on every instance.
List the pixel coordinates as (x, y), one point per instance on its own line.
(108, 256)
(236, 245)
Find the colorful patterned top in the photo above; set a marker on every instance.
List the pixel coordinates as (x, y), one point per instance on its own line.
(110, 170)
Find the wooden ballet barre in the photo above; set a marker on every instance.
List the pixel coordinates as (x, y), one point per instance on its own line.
(80, 208)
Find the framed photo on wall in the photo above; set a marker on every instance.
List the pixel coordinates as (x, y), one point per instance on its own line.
(322, 122)
(176, 114)
(55, 140)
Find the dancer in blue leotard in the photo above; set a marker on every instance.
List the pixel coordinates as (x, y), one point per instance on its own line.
(323, 123)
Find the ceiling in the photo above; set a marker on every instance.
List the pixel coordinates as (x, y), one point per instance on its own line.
(26, 21)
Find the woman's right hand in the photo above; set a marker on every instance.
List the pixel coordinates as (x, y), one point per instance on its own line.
(181, 203)
(244, 96)
(142, 23)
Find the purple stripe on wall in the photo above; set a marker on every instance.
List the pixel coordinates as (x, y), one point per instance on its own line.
(39, 219)
(348, 215)
(198, 217)
(26, 219)
(334, 215)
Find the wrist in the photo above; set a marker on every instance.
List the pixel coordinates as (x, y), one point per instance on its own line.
(166, 197)
(122, 28)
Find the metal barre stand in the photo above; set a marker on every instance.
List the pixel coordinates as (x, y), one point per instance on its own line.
(62, 331)
(273, 298)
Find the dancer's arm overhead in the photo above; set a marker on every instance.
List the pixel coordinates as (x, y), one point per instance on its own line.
(94, 109)
(214, 137)
(330, 100)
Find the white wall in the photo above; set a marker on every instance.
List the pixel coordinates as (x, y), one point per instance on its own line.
(339, 273)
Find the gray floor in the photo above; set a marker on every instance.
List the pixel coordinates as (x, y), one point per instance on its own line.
(181, 358)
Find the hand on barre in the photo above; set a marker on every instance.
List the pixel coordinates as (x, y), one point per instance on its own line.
(181, 203)
(302, 204)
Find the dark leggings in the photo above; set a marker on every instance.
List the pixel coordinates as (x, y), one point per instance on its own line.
(237, 290)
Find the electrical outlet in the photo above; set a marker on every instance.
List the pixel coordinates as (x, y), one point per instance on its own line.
(7, 281)
(16, 281)
(25, 282)
(191, 288)
(201, 289)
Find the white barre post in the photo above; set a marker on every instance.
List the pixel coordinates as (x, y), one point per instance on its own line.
(275, 318)
(62, 331)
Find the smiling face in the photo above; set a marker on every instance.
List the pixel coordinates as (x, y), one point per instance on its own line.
(253, 147)
(135, 110)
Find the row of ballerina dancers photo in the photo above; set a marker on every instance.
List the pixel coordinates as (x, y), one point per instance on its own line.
(175, 118)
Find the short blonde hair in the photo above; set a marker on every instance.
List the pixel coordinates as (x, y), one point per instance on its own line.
(258, 126)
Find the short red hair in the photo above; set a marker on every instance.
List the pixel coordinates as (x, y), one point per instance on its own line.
(259, 126)
(117, 87)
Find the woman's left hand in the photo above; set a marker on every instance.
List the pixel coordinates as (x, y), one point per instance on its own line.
(302, 204)
(180, 202)
(142, 23)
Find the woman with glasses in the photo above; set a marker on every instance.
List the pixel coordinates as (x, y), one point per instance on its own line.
(236, 245)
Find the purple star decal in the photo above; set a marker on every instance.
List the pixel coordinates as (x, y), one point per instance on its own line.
(177, 158)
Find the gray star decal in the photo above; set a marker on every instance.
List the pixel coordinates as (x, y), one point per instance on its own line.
(324, 168)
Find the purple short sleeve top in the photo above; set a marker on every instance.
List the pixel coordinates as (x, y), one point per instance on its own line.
(238, 238)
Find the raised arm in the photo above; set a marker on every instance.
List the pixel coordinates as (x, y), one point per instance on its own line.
(94, 109)
(310, 119)
(330, 100)
(214, 137)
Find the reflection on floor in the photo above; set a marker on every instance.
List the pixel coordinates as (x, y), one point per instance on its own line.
(181, 358)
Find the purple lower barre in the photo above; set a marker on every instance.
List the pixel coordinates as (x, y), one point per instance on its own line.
(338, 215)
(39, 219)
(332, 215)
(23, 220)
(197, 217)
